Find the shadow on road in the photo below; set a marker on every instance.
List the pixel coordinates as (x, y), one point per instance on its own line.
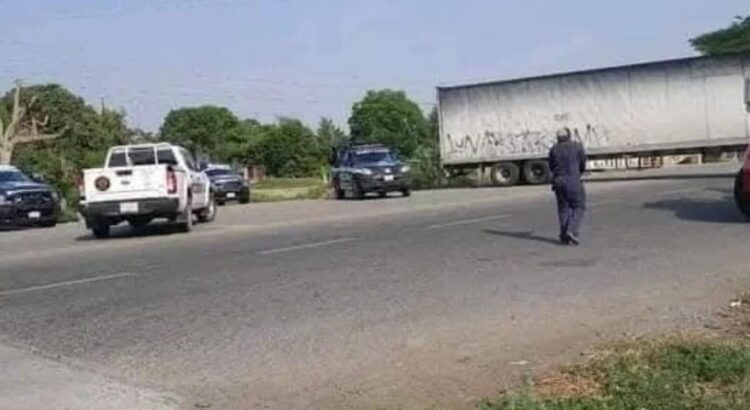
(527, 236)
(721, 210)
(666, 177)
(125, 231)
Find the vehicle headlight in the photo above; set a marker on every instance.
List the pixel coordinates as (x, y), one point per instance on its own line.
(365, 171)
(405, 169)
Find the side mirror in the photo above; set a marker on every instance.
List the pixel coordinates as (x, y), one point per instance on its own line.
(38, 178)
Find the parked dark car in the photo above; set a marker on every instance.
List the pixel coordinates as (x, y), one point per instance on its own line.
(228, 185)
(25, 201)
(362, 169)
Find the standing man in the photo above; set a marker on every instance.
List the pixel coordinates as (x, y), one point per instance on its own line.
(567, 160)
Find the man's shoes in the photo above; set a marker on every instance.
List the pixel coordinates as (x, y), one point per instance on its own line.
(573, 239)
(564, 240)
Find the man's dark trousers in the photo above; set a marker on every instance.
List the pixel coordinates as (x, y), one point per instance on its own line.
(571, 205)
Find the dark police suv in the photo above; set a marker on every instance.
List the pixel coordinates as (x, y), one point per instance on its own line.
(359, 169)
(227, 184)
(24, 201)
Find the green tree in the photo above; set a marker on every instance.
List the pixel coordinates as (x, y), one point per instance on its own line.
(206, 130)
(389, 117)
(426, 169)
(329, 135)
(290, 149)
(730, 40)
(86, 136)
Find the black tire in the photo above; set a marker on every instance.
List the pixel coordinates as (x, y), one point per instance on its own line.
(208, 214)
(340, 193)
(49, 224)
(741, 198)
(536, 172)
(245, 199)
(383, 194)
(357, 191)
(221, 202)
(185, 222)
(406, 192)
(100, 231)
(505, 174)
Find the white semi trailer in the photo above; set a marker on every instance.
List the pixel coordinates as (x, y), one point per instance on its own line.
(686, 106)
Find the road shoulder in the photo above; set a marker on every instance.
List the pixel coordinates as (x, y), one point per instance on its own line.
(29, 381)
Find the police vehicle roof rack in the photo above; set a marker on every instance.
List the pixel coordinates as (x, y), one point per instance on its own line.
(365, 146)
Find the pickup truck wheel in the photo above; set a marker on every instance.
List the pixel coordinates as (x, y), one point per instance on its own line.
(208, 214)
(185, 221)
(741, 198)
(245, 199)
(100, 231)
(406, 192)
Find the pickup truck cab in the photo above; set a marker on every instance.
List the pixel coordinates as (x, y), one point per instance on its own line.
(742, 186)
(140, 183)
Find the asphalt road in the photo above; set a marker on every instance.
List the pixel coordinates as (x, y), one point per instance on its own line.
(439, 298)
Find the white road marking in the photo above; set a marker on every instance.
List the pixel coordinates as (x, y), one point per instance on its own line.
(677, 191)
(65, 284)
(467, 221)
(306, 246)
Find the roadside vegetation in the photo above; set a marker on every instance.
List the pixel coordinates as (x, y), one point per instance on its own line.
(672, 374)
(700, 370)
(287, 189)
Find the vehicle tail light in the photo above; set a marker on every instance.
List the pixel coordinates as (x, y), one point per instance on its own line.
(171, 181)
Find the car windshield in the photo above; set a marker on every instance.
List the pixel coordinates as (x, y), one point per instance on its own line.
(218, 172)
(373, 157)
(13, 176)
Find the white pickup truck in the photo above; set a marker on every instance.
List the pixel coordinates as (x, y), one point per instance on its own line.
(140, 183)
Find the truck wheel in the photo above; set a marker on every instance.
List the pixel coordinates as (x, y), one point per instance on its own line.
(741, 198)
(406, 192)
(505, 174)
(185, 221)
(208, 214)
(536, 172)
(100, 231)
(245, 199)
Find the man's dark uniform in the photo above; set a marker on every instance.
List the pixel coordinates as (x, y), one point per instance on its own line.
(567, 161)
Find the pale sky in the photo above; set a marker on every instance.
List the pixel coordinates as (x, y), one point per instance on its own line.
(307, 59)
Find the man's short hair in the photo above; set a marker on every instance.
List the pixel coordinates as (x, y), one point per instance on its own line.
(564, 134)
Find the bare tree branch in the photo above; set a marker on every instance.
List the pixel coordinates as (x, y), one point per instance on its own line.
(22, 139)
(35, 124)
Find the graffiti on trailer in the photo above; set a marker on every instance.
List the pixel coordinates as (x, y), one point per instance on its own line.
(490, 143)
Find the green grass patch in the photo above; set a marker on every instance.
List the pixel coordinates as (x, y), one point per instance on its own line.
(282, 183)
(318, 191)
(665, 375)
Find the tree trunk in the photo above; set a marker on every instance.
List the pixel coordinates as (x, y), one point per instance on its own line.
(5, 154)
